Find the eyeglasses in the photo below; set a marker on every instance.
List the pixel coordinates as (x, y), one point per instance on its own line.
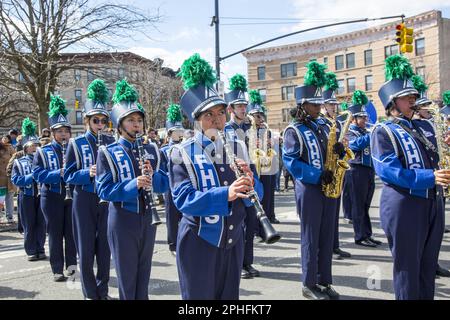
(102, 121)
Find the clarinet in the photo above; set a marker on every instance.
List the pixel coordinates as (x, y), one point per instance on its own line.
(155, 217)
(100, 143)
(268, 234)
(68, 197)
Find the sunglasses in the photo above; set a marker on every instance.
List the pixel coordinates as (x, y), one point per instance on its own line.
(102, 121)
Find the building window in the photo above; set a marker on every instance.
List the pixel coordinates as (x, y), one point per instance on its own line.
(350, 60)
(262, 73)
(108, 73)
(286, 115)
(121, 73)
(420, 46)
(90, 75)
(368, 57)
(339, 62)
(341, 88)
(420, 71)
(77, 74)
(262, 92)
(289, 70)
(79, 117)
(390, 50)
(287, 93)
(21, 77)
(78, 94)
(369, 82)
(351, 85)
(325, 61)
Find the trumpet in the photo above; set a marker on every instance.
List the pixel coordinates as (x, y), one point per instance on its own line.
(68, 197)
(269, 234)
(155, 217)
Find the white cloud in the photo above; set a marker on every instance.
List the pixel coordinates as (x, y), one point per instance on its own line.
(173, 59)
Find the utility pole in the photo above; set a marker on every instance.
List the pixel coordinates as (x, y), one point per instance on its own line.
(215, 21)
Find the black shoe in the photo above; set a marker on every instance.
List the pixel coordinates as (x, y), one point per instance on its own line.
(42, 256)
(329, 291)
(349, 221)
(375, 241)
(274, 221)
(245, 274)
(251, 270)
(59, 277)
(446, 230)
(314, 293)
(366, 243)
(107, 297)
(441, 272)
(341, 253)
(34, 257)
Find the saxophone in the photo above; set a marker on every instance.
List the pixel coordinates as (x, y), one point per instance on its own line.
(333, 163)
(262, 155)
(441, 128)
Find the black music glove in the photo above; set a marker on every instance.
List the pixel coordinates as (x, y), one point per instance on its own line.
(326, 177)
(339, 149)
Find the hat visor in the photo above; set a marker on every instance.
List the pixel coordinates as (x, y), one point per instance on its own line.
(238, 101)
(131, 111)
(94, 112)
(406, 92)
(60, 125)
(423, 101)
(208, 104)
(311, 100)
(175, 128)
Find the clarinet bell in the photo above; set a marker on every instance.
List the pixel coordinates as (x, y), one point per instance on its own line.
(268, 232)
(156, 220)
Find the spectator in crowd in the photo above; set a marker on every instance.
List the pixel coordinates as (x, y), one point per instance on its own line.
(13, 133)
(153, 136)
(6, 152)
(17, 155)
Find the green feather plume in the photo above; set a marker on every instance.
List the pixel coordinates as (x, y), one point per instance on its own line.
(359, 98)
(57, 106)
(418, 83)
(344, 106)
(195, 71)
(124, 92)
(97, 91)
(331, 81)
(174, 113)
(238, 82)
(140, 107)
(255, 97)
(398, 67)
(446, 97)
(28, 127)
(315, 75)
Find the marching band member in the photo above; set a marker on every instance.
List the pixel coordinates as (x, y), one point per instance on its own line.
(405, 158)
(31, 215)
(236, 129)
(361, 176)
(346, 201)
(263, 137)
(210, 244)
(304, 155)
(175, 130)
(90, 217)
(48, 170)
(330, 108)
(121, 181)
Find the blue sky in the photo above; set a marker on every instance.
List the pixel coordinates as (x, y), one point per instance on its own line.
(185, 28)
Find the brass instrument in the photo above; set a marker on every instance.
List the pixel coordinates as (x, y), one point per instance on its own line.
(333, 163)
(441, 129)
(268, 232)
(68, 197)
(155, 217)
(260, 153)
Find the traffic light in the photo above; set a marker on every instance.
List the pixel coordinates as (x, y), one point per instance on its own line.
(404, 38)
(77, 104)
